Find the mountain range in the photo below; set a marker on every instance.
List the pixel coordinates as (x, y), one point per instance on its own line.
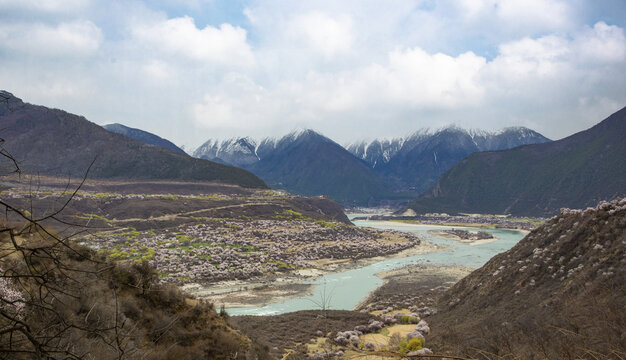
(308, 163)
(303, 162)
(143, 136)
(537, 180)
(414, 163)
(54, 142)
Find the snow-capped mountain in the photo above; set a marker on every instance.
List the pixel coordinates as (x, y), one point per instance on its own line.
(303, 162)
(377, 152)
(308, 163)
(414, 163)
(380, 151)
(241, 152)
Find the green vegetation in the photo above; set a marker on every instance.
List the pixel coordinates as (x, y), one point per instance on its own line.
(292, 215)
(328, 224)
(105, 195)
(408, 319)
(142, 253)
(169, 197)
(282, 266)
(411, 345)
(92, 216)
(185, 238)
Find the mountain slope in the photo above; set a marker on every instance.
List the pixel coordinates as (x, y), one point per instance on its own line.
(239, 152)
(54, 142)
(415, 163)
(558, 293)
(308, 163)
(536, 180)
(143, 136)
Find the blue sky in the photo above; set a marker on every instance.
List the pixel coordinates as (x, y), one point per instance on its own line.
(190, 70)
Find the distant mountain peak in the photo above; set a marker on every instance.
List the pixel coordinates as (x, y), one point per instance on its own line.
(143, 136)
(415, 162)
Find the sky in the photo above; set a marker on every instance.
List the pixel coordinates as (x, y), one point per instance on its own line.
(193, 70)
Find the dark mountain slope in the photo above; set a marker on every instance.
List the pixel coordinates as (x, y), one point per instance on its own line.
(537, 180)
(143, 136)
(424, 157)
(54, 142)
(419, 167)
(560, 293)
(308, 163)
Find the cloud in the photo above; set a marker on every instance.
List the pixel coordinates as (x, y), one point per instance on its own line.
(544, 14)
(347, 68)
(67, 39)
(552, 57)
(322, 33)
(602, 43)
(543, 71)
(239, 103)
(158, 71)
(51, 6)
(225, 45)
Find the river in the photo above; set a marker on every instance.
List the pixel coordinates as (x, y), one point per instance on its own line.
(344, 290)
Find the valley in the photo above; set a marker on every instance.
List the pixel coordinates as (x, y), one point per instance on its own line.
(211, 233)
(312, 180)
(143, 235)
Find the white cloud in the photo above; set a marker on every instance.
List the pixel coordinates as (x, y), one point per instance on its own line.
(237, 103)
(545, 14)
(602, 43)
(158, 71)
(557, 57)
(54, 6)
(348, 68)
(226, 45)
(322, 33)
(543, 57)
(67, 39)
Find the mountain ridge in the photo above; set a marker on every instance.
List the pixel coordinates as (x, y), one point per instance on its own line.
(304, 162)
(415, 162)
(537, 179)
(398, 168)
(143, 136)
(67, 144)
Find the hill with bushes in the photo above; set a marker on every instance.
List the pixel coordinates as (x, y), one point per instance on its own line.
(560, 293)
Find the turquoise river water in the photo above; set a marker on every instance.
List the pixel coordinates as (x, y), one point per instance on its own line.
(344, 290)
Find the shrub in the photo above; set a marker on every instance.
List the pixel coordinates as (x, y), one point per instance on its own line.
(412, 345)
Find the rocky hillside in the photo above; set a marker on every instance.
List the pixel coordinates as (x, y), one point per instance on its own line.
(560, 293)
(54, 142)
(143, 136)
(536, 180)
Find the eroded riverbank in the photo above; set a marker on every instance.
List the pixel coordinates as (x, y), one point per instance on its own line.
(346, 289)
(295, 284)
